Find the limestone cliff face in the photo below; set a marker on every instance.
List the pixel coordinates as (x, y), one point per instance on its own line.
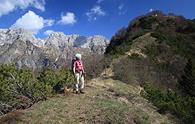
(21, 47)
(95, 43)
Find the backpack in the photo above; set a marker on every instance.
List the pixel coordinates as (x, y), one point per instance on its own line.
(72, 66)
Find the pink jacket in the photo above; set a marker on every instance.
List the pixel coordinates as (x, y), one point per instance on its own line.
(78, 64)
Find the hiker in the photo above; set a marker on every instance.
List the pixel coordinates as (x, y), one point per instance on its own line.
(79, 72)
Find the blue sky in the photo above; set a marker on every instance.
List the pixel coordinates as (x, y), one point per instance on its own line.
(84, 17)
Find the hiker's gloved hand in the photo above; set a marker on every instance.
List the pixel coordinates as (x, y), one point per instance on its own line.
(84, 73)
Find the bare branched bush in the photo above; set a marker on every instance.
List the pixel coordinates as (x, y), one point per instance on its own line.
(140, 71)
(94, 65)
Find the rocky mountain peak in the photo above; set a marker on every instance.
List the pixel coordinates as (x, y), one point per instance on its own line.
(95, 43)
(59, 39)
(56, 39)
(21, 47)
(10, 35)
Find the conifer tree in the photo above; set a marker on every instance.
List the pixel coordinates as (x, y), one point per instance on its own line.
(187, 82)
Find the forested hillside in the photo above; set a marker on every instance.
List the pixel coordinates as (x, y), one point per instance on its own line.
(156, 51)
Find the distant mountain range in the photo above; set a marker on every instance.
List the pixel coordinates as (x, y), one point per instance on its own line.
(20, 46)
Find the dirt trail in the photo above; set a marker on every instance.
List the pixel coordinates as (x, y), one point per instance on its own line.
(105, 101)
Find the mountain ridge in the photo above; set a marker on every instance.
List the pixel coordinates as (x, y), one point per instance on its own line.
(156, 51)
(10, 35)
(57, 46)
(146, 76)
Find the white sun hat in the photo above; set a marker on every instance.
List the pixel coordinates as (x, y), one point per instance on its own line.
(78, 56)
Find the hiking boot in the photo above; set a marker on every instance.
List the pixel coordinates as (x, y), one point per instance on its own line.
(82, 92)
(77, 92)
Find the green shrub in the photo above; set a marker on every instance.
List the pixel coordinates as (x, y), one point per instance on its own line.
(187, 81)
(116, 51)
(170, 101)
(56, 79)
(20, 88)
(134, 56)
(147, 22)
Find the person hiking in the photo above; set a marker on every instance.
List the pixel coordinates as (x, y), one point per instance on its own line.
(78, 70)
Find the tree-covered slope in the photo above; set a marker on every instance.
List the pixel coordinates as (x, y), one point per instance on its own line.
(157, 51)
(167, 42)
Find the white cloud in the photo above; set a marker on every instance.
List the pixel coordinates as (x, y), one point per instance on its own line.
(95, 12)
(150, 10)
(7, 6)
(121, 6)
(39, 4)
(48, 32)
(67, 19)
(32, 22)
(121, 9)
(99, 1)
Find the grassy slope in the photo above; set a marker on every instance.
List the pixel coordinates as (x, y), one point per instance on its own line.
(105, 101)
